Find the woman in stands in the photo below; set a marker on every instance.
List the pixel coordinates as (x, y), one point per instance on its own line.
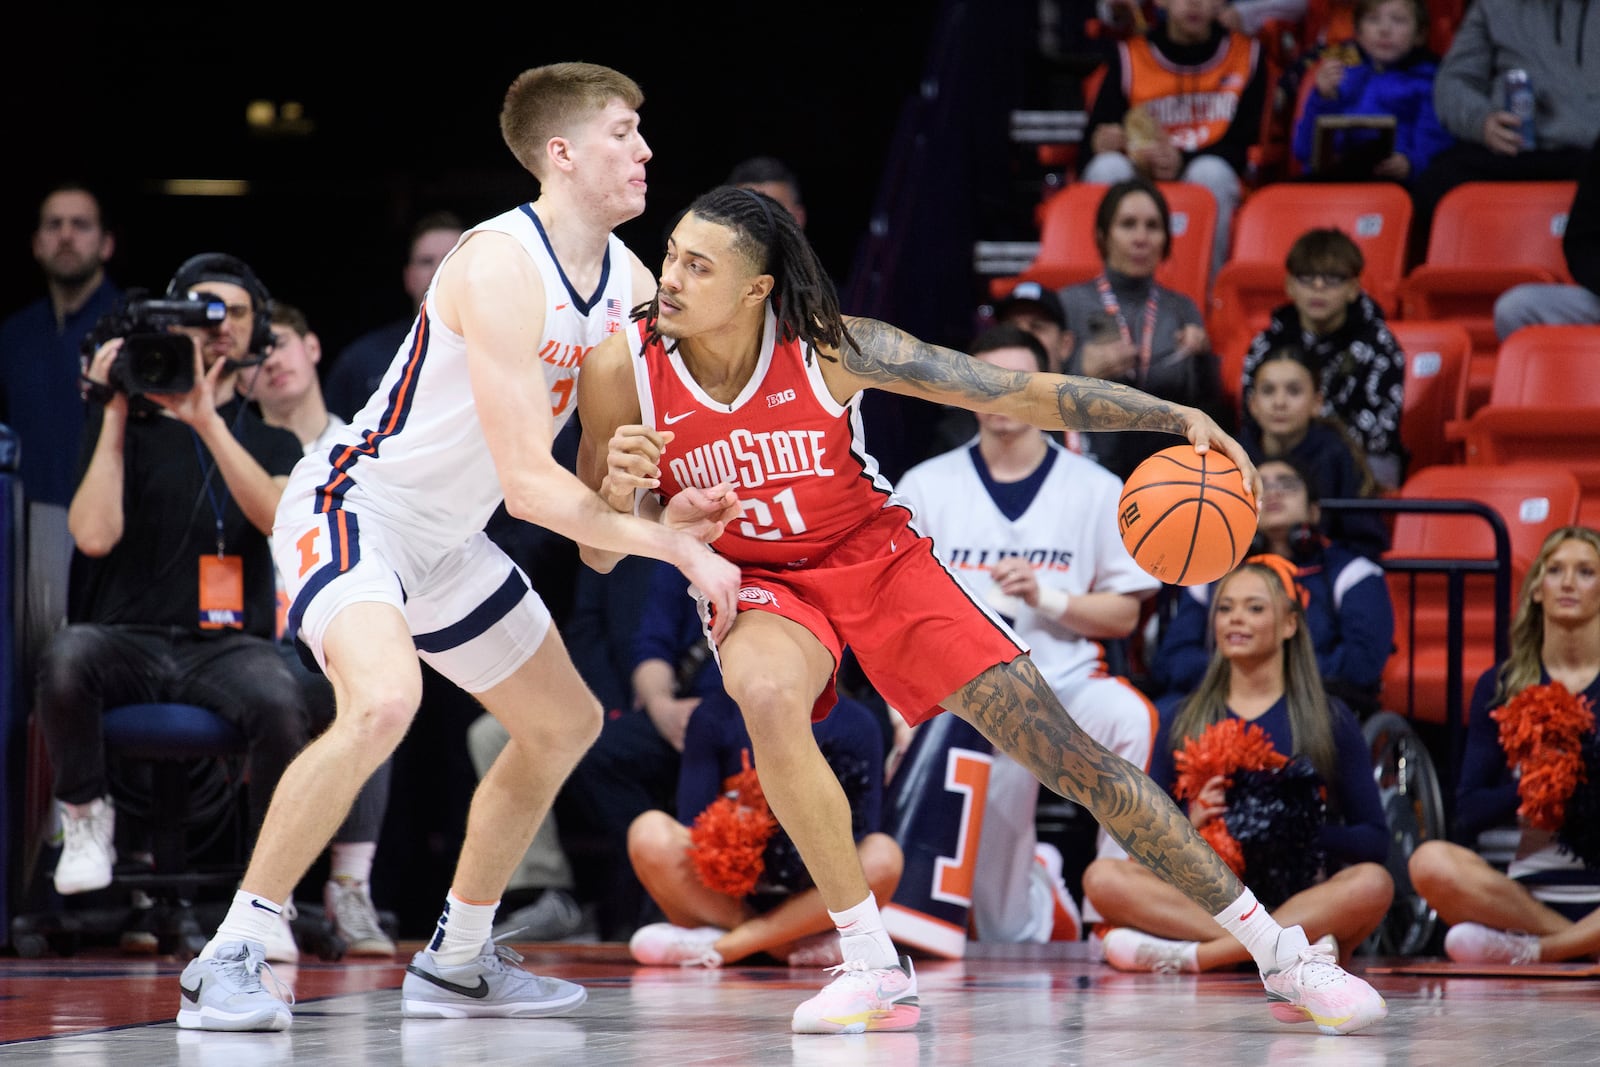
(1263, 676)
(1126, 328)
(1546, 906)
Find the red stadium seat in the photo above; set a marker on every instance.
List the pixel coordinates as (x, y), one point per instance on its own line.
(1487, 237)
(1436, 358)
(1533, 500)
(1544, 402)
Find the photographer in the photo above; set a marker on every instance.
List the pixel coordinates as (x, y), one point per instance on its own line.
(171, 595)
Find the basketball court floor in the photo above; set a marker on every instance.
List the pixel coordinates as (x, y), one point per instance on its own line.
(1002, 1005)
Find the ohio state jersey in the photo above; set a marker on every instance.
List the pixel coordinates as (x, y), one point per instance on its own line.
(795, 453)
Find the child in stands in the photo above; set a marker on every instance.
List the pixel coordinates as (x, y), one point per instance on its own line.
(1359, 366)
(1392, 75)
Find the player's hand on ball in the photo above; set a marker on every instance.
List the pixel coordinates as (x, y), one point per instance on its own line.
(1204, 433)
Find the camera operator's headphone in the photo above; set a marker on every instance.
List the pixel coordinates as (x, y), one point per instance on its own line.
(220, 267)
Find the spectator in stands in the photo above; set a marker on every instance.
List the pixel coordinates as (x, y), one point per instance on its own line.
(170, 479)
(41, 397)
(1360, 366)
(1558, 44)
(287, 388)
(1126, 328)
(1394, 77)
(1032, 529)
(719, 907)
(40, 358)
(360, 366)
(770, 175)
(1544, 906)
(1038, 310)
(1579, 303)
(1285, 403)
(1183, 103)
(1264, 673)
(1349, 613)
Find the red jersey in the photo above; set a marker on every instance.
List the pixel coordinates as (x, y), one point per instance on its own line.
(794, 452)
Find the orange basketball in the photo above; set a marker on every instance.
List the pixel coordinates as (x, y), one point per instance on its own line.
(1186, 517)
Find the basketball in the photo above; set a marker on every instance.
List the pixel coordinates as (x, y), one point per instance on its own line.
(1186, 517)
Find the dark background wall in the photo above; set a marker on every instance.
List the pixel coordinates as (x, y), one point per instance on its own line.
(404, 112)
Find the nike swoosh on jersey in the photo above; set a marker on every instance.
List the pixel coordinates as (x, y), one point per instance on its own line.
(477, 992)
(192, 995)
(561, 307)
(670, 419)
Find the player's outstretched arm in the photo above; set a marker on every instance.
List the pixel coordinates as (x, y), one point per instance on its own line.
(891, 359)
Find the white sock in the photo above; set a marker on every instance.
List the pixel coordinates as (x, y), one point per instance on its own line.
(862, 936)
(351, 861)
(250, 918)
(1255, 929)
(462, 930)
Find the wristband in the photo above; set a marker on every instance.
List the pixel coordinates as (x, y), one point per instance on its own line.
(1052, 602)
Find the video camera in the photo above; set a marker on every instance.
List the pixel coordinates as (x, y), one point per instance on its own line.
(153, 359)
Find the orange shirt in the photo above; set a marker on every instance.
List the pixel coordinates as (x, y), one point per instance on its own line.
(1194, 104)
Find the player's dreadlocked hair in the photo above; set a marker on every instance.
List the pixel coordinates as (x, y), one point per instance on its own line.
(803, 297)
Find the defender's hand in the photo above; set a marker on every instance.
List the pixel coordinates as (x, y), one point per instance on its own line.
(717, 579)
(703, 513)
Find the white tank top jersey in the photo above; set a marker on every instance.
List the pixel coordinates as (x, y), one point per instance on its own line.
(416, 454)
(1068, 534)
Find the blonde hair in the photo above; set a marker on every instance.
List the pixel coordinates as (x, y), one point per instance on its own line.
(549, 101)
(1310, 721)
(1525, 665)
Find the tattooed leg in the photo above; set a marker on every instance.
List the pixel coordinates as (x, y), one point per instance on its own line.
(1014, 707)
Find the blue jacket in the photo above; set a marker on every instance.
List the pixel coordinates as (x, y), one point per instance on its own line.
(1404, 91)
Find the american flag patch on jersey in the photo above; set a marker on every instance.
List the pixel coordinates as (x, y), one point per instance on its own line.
(613, 315)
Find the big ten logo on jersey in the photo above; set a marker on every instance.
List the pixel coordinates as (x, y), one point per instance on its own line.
(963, 558)
(783, 396)
(935, 808)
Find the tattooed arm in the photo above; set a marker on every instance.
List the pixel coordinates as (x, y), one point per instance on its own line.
(884, 357)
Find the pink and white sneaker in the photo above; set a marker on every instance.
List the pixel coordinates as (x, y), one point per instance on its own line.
(1476, 943)
(665, 945)
(1309, 986)
(862, 998)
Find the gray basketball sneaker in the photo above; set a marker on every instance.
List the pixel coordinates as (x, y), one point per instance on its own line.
(225, 992)
(491, 985)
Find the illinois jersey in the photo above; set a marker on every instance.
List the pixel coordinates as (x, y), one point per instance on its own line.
(794, 452)
(416, 452)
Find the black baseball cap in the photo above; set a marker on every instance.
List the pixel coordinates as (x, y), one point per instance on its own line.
(1036, 295)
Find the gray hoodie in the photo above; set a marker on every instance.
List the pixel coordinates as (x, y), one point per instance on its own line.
(1556, 41)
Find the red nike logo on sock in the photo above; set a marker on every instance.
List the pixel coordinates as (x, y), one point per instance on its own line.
(1251, 912)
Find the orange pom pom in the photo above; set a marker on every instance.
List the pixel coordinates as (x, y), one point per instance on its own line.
(728, 838)
(1542, 730)
(1224, 748)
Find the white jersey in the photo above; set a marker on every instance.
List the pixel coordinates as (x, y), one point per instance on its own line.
(1068, 534)
(415, 455)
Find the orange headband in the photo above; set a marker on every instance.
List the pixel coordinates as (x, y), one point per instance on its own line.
(1287, 573)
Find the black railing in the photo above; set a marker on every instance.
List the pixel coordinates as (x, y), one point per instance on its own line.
(1455, 572)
